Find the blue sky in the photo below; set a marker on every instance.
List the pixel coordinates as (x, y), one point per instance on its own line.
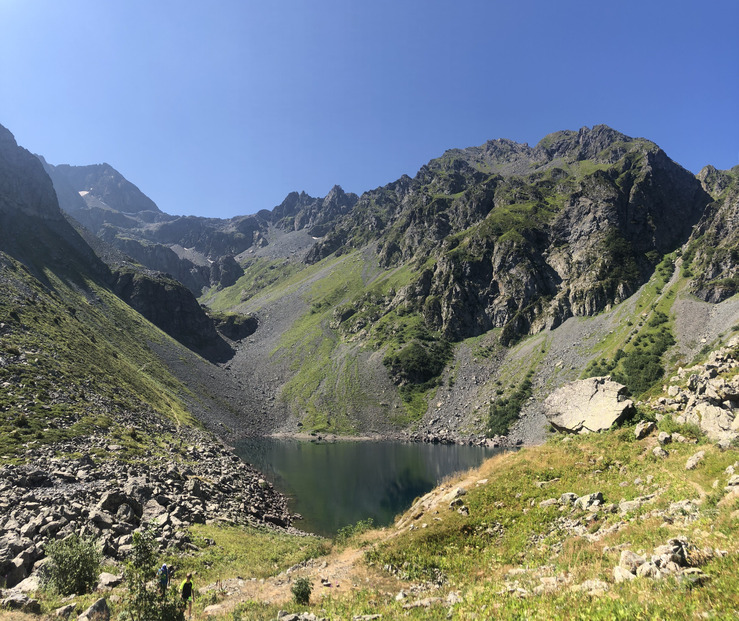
(222, 108)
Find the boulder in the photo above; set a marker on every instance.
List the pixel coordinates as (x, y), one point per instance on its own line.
(109, 581)
(714, 421)
(99, 611)
(620, 574)
(20, 601)
(589, 500)
(65, 611)
(631, 561)
(695, 460)
(589, 405)
(643, 429)
(29, 585)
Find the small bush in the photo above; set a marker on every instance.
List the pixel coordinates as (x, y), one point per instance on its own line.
(689, 430)
(301, 590)
(347, 532)
(74, 565)
(504, 412)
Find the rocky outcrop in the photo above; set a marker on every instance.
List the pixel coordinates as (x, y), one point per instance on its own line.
(707, 395)
(233, 326)
(712, 257)
(225, 271)
(163, 259)
(678, 558)
(24, 186)
(589, 405)
(300, 211)
(172, 308)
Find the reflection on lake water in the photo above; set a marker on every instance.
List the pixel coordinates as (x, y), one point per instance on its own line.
(339, 483)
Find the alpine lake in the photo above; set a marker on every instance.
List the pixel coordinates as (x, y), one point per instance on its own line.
(333, 484)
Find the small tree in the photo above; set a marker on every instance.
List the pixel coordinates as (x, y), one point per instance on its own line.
(73, 566)
(144, 603)
(301, 590)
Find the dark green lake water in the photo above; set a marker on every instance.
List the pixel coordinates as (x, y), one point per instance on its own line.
(339, 483)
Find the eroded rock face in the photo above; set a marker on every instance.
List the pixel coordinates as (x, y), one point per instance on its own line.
(593, 404)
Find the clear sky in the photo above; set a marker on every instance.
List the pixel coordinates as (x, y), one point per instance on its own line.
(221, 108)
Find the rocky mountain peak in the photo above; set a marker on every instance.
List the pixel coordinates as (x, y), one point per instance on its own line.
(103, 183)
(585, 144)
(713, 181)
(339, 201)
(24, 186)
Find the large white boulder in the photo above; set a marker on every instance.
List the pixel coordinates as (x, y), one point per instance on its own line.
(589, 405)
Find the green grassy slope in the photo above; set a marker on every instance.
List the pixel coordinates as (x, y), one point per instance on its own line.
(73, 356)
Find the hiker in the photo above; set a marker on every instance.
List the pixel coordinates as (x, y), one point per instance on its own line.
(170, 580)
(186, 593)
(163, 575)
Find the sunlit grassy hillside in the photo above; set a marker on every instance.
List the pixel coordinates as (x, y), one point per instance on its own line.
(72, 358)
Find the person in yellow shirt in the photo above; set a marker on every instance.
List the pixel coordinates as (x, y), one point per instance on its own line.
(186, 592)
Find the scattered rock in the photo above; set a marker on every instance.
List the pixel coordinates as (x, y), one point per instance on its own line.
(621, 574)
(631, 561)
(643, 429)
(65, 611)
(592, 587)
(109, 581)
(695, 460)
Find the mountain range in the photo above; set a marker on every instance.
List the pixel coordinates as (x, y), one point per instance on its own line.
(447, 304)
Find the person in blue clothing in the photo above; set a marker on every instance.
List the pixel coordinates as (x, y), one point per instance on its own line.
(163, 575)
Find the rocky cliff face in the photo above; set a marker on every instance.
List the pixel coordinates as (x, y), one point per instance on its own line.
(24, 187)
(114, 209)
(301, 211)
(172, 308)
(118, 212)
(34, 231)
(522, 238)
(32, 227)
(712, 256)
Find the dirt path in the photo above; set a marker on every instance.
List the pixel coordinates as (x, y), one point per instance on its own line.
(336, 574)
(344, 571)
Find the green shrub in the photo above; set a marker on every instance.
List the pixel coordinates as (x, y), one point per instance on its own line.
(73, 566)
(347, 532)
(503, 413)
(419, 363)
(689, 430)
(301, 590)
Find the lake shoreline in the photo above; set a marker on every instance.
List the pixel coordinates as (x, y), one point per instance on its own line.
(411, 438)
(336, 481)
